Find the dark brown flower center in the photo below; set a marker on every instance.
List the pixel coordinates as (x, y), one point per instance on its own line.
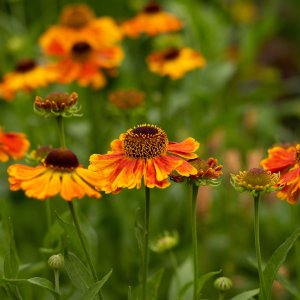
(257, 177)
(145, 141)
(298, 153)
(81, 51)
(61, 159)
(56, 101)
(152, 8)
(76, 16)
(171, 54)
(25, 66)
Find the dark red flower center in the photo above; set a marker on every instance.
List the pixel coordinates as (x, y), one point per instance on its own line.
(145, 142)
(61, 159)
(25, 65)
(171, 54)
(152, 8)
(81, 51)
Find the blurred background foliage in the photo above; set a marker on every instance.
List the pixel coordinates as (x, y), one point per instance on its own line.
(244, 101)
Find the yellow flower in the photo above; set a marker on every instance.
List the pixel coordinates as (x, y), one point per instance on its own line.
(143, 152)
(175, 62)
(12, 144)
(60, 173)
(151, 21)
(26, 77)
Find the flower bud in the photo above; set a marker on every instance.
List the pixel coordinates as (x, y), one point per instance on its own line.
(223, 284)
(56, 261)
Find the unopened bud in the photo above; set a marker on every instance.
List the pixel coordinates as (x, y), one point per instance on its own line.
(223, 284)
(56, 261)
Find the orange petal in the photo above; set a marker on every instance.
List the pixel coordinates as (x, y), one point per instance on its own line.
(184, 148)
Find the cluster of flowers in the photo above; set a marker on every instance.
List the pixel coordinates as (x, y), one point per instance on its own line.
(86, 49)
(142, 153)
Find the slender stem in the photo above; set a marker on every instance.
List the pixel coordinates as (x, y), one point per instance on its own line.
(257, 246)
(175, 267)
(194, 237)
(56, 280)
(221, 296)
(61, 131)
(84, 247)
(145, 244)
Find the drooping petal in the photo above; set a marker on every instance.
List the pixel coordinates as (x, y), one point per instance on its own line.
(23, 172)
(69, 188)
(87, 189)
(185, 148)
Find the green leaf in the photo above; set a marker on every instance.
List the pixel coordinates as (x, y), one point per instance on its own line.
(77, 272)
(277, 260)
(96, 287)
(204, 278)
(37, 281)
(246, 295)
(154, 283)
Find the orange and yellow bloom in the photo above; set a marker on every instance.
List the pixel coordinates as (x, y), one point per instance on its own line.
(151, 21)
(143, 152)
(175, 62)
(285, 160)
(26, 77)
(12, 145)
(59, 173)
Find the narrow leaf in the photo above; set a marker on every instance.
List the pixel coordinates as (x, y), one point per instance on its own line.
(77, 272)
(96, 287)
(204, 278)
(246, 295)
(277, 260)
(154, 283)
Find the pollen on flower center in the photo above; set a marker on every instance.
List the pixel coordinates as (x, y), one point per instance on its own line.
(171, 54)
(152, 8)
(145, 141)
(61, 159)
(257, 177)
(25, 66)
(298, 153)
(81, 51)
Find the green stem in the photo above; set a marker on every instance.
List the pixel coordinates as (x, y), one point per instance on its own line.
(61, 131)
(221, 296)
(84, 247)
(145, 244)
(194, 237)
(175, 267)
(257, 246)
(48, 213)
(56, 282)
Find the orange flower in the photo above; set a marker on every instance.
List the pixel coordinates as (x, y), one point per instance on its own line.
(60, 173)
(12, 144)
(79, 24)
(285, 160)
(143, 152)
(126, 99)
(151, 21)
(83, 63)
(175, 62)
(26, 77)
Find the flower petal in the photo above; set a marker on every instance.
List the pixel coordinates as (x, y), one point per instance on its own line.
(184, 148)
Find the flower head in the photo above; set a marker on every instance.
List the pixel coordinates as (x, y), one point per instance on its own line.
(175, 62)
(223, 284)
(57, 104)
(151, 21)
(143, 152)
(255, 181)
(164, 242)
(12, 144)
(208, 172)
(126, 99)
(27, 76)
(285, 160)
(60, 173)
(56, 261)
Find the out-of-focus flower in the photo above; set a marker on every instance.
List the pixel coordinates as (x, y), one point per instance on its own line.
(164, 242)
(57, 104)
(79, 24)
(39, 154)
(175, 62)
(126, 99)
(12, 145)
(285, 160)
(143, 152)
(27, 76)
(244, 11)
(60, 173)
(84, 64)
(208, 172)
(255, 181)
(151, 21)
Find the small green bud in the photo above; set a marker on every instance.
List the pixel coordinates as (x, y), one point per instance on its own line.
(223, 284)
(164, 242)
(56, 261)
